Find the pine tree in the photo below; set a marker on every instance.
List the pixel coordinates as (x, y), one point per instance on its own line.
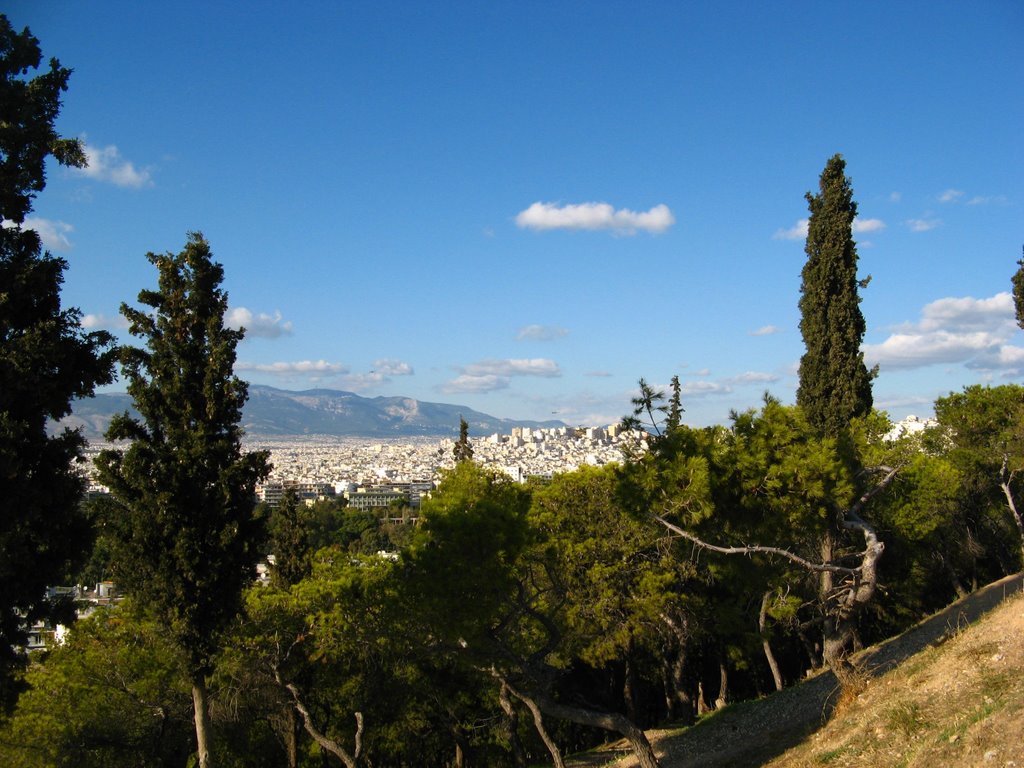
(186, 536)
(46, 360)
(835, 385)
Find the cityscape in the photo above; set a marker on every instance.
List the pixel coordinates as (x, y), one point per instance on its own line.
(374, 472)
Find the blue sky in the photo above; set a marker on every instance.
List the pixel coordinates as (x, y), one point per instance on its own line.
(524, 207)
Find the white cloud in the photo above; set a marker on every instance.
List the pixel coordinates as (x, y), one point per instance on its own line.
(697, 389)
(541, 332)
(974, 332)
(106, 164)
(52, 234)
(766, 330)
(895, 197)
(544, 216)
(797, 232)
(922, 225)
(390, 367)
(479, 384)
(598, 374)
(93, 321)
(491, 375)
(951, 195)
(261, 325)
(867, 225)
(537, 366)
(289, 369)
(752, 377)
(988, 200)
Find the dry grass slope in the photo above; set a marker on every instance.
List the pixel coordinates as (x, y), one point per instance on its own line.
(949, 692)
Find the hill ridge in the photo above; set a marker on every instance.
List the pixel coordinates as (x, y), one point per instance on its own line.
(273, 412)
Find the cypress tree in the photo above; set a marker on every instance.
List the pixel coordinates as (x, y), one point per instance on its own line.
(1018, 292)
(463, 449)
(46, 360)
(835, 385)
(675, 407)
(185, 529)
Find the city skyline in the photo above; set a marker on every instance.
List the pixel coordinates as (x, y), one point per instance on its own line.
(525, 208)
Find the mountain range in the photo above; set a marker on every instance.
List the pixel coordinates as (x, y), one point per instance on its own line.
(272, 412)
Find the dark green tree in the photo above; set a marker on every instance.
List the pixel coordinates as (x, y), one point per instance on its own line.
(186, 536)
(1018, 292)
(675, 406)
(835, 385)
(288, 541)
(983, 431)
(45, 359)
(463, 449)
(116, 693)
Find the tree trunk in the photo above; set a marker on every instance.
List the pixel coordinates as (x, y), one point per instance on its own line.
(762, 628)
(512, 725)
(292, 737)
(201, 712)
(326, 743)
(723, 685)
(678, 699)
(609, 721)
(702, 702)
(463, 751)
(629, 687)
(1005, 480)
(538, 722)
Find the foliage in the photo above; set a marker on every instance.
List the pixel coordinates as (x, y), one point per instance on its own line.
(46, 360)
(1018, 292)
(981, 431)
(116, 693)
(186, 535)
(472, 531)
(835, 385)
(463, 449)
(184, 491)
(675, 406)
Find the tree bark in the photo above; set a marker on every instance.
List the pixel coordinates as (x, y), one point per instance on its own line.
(629, 686)
(512, 724)
(326, 743)
(1005, 480)
(723, 685)
(762, 628)
(538, 722)
(678, 699)
(201, 711)
(290, 728)
(609, 721)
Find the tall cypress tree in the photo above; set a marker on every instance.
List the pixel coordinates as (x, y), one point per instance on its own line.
(835, 385)
(1018, 292)
(46, 360)
(186, 535)
(675, 407)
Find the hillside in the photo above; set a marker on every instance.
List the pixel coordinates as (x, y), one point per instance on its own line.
(282, 413)
(948, 692)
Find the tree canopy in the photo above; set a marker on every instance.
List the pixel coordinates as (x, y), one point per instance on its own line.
(835, 385)
(46, 359)
(186, 536)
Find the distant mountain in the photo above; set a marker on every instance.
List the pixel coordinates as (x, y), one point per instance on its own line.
(274, 412)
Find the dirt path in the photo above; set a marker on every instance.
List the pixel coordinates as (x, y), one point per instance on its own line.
(752, 733)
